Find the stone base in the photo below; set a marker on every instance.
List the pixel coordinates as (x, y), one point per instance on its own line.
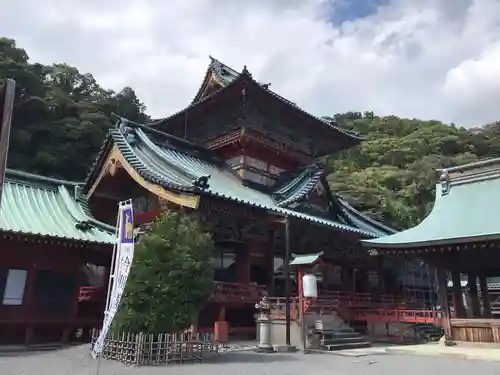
(284, 348)
(447, 341)
(264, 349)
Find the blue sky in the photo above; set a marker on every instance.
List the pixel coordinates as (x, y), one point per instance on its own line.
(349, 10)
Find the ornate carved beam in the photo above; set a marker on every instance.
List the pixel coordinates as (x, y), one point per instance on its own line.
(116, 160)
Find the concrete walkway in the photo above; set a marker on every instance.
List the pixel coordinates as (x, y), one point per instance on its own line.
(461, 351)
(77, 361)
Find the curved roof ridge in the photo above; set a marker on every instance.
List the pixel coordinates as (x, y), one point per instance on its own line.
(381, 226)
(298, 186)
(453, 219)
(141, 166)
(167, 158)
(245, 73)
(215, 67)
(469, 166)
(21, 176)
(286, 186)
(190, 106)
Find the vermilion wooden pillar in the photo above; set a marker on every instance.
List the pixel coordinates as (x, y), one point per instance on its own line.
(380, 270)
(243, 265)
(300, 289)
(457, 295)
(28, 308)
(73, 311)
(472, 282)
(269, 266)
(486, 297)
(347, 279)
(443, 301)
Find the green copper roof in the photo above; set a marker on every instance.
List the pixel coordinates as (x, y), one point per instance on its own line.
(297, 185)
(300, 260)
(224, 73)
(363, 221)
(465, 209)
(36, 205)
(180, 165)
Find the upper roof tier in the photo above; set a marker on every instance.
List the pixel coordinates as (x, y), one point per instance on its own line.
(466, 201)
(41, 206)
(178, 165)
(227, 100)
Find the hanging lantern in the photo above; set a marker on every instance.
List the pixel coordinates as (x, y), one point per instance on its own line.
(309, 286)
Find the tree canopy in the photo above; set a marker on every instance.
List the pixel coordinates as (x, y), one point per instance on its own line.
(392, 174)
(62, 115)
(171, 276)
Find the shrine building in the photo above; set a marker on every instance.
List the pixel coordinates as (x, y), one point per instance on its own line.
(460, 238)
(245, 161)
(54, 263)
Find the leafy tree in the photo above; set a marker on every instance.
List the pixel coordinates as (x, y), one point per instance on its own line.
(61, 116)
(171, 276)
(392, 174)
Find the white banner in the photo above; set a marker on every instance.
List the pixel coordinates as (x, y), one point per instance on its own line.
(124, 254)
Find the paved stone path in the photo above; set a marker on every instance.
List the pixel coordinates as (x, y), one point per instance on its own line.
(488, 353)
(76, 361)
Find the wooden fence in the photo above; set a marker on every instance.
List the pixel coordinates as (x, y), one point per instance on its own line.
(157, 349)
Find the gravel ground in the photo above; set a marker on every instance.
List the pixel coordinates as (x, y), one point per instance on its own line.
(77, 361)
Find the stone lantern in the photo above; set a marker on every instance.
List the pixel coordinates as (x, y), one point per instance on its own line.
(264, 322)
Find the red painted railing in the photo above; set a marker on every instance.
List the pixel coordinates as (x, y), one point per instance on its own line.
(361, 307)
(395, 315)
(362, 299)
(237, 293)
(224, 292)
(352, 306)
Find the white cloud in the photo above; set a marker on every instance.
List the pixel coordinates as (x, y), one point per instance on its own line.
(415, 58)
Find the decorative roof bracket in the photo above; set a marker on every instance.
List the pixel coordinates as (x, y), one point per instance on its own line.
(444, 179)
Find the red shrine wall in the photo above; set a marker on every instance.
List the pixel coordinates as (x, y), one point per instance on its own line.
(39, 289)
(104, 209)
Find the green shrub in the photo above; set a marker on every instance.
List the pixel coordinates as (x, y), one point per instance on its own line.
(170, 279)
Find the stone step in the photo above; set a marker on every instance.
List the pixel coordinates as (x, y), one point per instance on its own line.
(340, 331)
(341, 336)
(330, 325)
(332, 341)
(352, 345)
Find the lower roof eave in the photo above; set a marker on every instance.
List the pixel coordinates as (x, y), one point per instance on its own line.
(418, 245)
(278, 211)
(52, 238)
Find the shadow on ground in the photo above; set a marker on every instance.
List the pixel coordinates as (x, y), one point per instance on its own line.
(22, 350)
(251, 357)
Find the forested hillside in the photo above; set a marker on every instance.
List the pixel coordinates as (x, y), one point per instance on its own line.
(393, 173)
(61, 117)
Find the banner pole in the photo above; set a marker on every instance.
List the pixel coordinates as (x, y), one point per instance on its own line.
(112, 272)
(112, 269)
(121, 262)
(98, 368)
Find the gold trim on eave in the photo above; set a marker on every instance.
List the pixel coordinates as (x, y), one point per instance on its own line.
(115, 156)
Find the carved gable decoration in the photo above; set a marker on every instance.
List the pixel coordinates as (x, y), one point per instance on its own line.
(318, 198)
